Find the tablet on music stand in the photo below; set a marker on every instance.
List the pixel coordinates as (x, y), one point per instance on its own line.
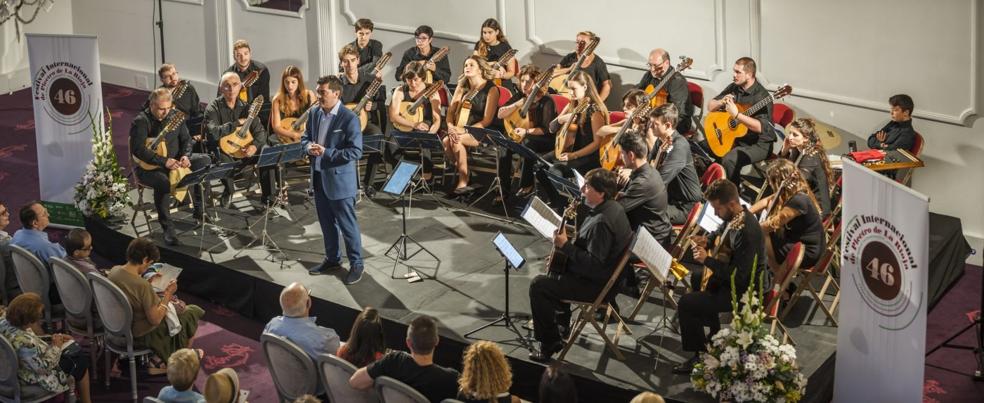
(508, 251)
(402, 175)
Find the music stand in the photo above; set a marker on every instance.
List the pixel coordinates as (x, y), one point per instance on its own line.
(496, 139)
(563, 185)
(201, 177)
(421, 141)
(397, 185)
(516, 261)
(275, 156)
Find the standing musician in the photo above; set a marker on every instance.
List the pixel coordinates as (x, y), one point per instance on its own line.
(223, 116)
(333, 137)
(424, 36)
(899, 132)
(593, 65)
(538, 136)
(803, 145)
(355, 83)
(292, 100)
(491, 46)
(476, 76)
(644, 196)
(743, 247)
(245, 65)
(370, 50)
(147, 125)
(676, 89)
(590, 261)
(677, 163)
(756, 145)
(411, 90)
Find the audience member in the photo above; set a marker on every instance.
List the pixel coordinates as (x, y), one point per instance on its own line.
(182, 369)
(296, 326)
(416, 369)
(647, 397)
(486, 376)
(366, 343)
(557, 387)
(10, 287)
(223, 387)
(307, 399)
(78, 247)
(34, 218)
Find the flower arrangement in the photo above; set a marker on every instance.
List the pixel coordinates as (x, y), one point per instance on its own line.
(745, 363)
(103, 189)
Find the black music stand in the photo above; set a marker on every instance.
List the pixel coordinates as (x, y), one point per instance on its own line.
(201, 177)
(563, 185)
(276, 156)
(421, 141)
(397, 185)
(516, 261)
(496, 140)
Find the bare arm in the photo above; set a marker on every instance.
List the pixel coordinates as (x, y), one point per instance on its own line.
(360, 379)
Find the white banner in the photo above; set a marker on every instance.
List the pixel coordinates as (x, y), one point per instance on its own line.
(66, 86)
(881, 340)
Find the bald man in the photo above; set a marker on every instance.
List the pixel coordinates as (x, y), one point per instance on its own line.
(296, 326)
(676, 88)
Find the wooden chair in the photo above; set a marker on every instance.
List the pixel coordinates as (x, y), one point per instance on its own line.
(820, 270)
(790, 267)
(677, 249)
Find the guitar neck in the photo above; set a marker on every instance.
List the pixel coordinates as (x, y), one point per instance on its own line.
(373, 89)
(245, 127)
(760, 104)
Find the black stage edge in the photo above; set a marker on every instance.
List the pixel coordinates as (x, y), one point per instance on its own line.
(948, 252)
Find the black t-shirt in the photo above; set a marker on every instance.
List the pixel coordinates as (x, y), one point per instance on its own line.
(598, 70)
(477, 111)
(433, 381)
(748, 98)
(806, 228)
(352, 93)
(369, 55)
(541, 113)
(495, 51)
(677, 93)
(503, 398)
(811, 167)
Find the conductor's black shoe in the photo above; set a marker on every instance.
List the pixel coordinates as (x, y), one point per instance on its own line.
(354, 275)
(225, 201)
(686, 367)
(324, 268)
(546, 352)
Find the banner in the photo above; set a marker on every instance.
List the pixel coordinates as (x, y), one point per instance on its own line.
(66, 87)
(881, 338)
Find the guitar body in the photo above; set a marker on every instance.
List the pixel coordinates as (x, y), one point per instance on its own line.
(564, 140)
(558, 85)
(363, 116)
(463, 113)
(174, 177)
(609, 154)
(721, 131)
(161, 150)
(415, 117)
(232, 144)
(514, 121)
(557, 262)
(659, 99)
(288, 124)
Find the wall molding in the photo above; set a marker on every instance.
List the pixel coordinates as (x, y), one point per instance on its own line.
(283, 13)
(707, 74)
(346, 11)
(193, 2)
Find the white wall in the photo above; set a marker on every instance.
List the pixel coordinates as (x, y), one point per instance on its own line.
(843, 58)
(14, 72)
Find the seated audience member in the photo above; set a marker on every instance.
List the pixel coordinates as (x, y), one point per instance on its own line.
(41, 364)
(34, 218)
(78, 247)
(486, 376)
(223, 387)
(10, 287)
(899, 132)
(307, 399)
(366, 343)
(301, 329)
(416, 369)
(150, 329)
(557, 387)
(647, 397)
(182, 369)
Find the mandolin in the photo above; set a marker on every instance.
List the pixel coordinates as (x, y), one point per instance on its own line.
(464, 110)
(158, 146)
(501, 63)
(564, 139)
(360, 108)
(557, 261)
(520, 118)
(414, 111)
(234, 144)
(658, 94)
(559, 82)
(248, 82)
(436, 57)
(295, 124)
(722, 130)
(178, 91)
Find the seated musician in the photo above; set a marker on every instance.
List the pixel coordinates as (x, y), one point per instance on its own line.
(590, 261)
(188, 102)
(899, 132)
(491, 46)
(424, 37)
(743, 248)
(245, 65)
(370, 50)
(630, 102)
(794, 217)
(644, 196)
(676, 89)
(803, 147)
(355, 83)
(756, 145)
(147, 125)
(224, 116)
(593, 65)
(430, 115)
(676, 165)
(292, 100)
(537, 136)
(476, 82)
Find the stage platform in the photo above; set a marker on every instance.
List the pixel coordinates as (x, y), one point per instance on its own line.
(463, 290)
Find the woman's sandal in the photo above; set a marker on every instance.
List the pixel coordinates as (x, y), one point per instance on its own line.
(155, 366)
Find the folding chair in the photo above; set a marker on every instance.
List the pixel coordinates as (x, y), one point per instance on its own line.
(790, 267)
(820, 270)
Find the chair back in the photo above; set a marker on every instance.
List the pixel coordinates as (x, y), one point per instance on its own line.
(616, 116)
(560, 102)
(443, 94)
(680, 244)
(917, 145)
(114, 308)
(782, 115)
(830, 252)
(504, 96)
(335, 373)
(33, 276)
(151, 399)
(696, 94)
(74, 289)
(714, 172)
(789, 268)
(293, 371)
(9, 385)
(394, 391)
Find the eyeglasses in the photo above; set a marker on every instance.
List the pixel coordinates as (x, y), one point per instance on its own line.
(421, 38)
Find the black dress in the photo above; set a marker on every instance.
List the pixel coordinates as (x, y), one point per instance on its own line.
(807, 228)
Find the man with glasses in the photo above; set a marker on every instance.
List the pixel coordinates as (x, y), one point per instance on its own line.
(677, 92)
(424, 35)
(78, 245)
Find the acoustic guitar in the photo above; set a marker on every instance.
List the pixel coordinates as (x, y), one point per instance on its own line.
(234, 144)
(360, 108)
(722, 248)
(564, 141)
(464, 110)
(501, 63)
(179, 90)
(557, 261)
(158, 145)
(413, 110)
(721, 129)
(559, 82)
(661, 94)
(295, 125)
(520, 117)
(248, 82)
(436, 57)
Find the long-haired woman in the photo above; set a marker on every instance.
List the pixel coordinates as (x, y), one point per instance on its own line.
(478, 97)
(291, 101)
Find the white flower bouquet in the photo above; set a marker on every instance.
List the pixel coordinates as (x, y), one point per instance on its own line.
(103, 189)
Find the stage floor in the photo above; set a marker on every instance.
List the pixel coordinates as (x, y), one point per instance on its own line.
(464, 290)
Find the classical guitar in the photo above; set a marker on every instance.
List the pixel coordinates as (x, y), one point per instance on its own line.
(502, 62)
(559, 82)
(381, 63)
(413, 110)
(564, 140)
(295, 124)
(436, 57)
(557, 261)
(723, 247)
(360, 108)
(158, 145)
(248, 82)
(658, 94)
(721, 129)
(234, 144)
(178, 91)
(464, 110)
(520, 117)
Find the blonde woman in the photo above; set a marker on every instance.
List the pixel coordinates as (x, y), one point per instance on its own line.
(486, 376)
(482, 105)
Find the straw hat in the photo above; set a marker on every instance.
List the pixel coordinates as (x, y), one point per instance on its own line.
(222, 387)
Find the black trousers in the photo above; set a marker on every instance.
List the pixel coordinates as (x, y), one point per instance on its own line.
(546, 293)
(698, 309)
(678, 212)
(268, 176)
(743, 155)
(158, 180)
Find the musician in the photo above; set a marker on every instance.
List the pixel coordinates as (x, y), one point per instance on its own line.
(743, 248)
(677, 165)
(188, 102)
(591, 257)
(593, 65)
(147, 125)
(803, 145)
(630, 102)
(899, 132)
(793, 216)
(369, 50)
(676, 89)
(644, 196)
(424, 36)
(411, 90)
(223, 116)
(292, 100)
(477, 76)
(756, 145)
(355, 83)
(334, 139)
(538, 136)
(491, 46)
(245, 65)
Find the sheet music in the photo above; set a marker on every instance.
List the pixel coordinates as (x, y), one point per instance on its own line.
(539, 215)
(167, 273)
(578, 179)
(709, 221)
(652, 254)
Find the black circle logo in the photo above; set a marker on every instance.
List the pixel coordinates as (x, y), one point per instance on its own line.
(65, 96)
(881, 271)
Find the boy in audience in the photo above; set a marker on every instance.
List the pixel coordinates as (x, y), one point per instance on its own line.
(182, 368)
(899, 132)
(78, 246)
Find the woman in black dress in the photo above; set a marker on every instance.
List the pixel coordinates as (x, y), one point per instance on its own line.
(491, 46)
(474, 103)
(802, 144)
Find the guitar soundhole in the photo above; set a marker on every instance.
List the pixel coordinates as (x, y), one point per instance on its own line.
(733, 123)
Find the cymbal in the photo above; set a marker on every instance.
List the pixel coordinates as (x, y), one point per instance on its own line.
(829, 136)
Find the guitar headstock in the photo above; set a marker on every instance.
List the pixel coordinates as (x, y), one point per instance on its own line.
(176, 119)
(440, 54)
(590, 48)
(571, 211)
(251, 78)
(255, 106)
(685, 63)
(782, 91)
(382, 61)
